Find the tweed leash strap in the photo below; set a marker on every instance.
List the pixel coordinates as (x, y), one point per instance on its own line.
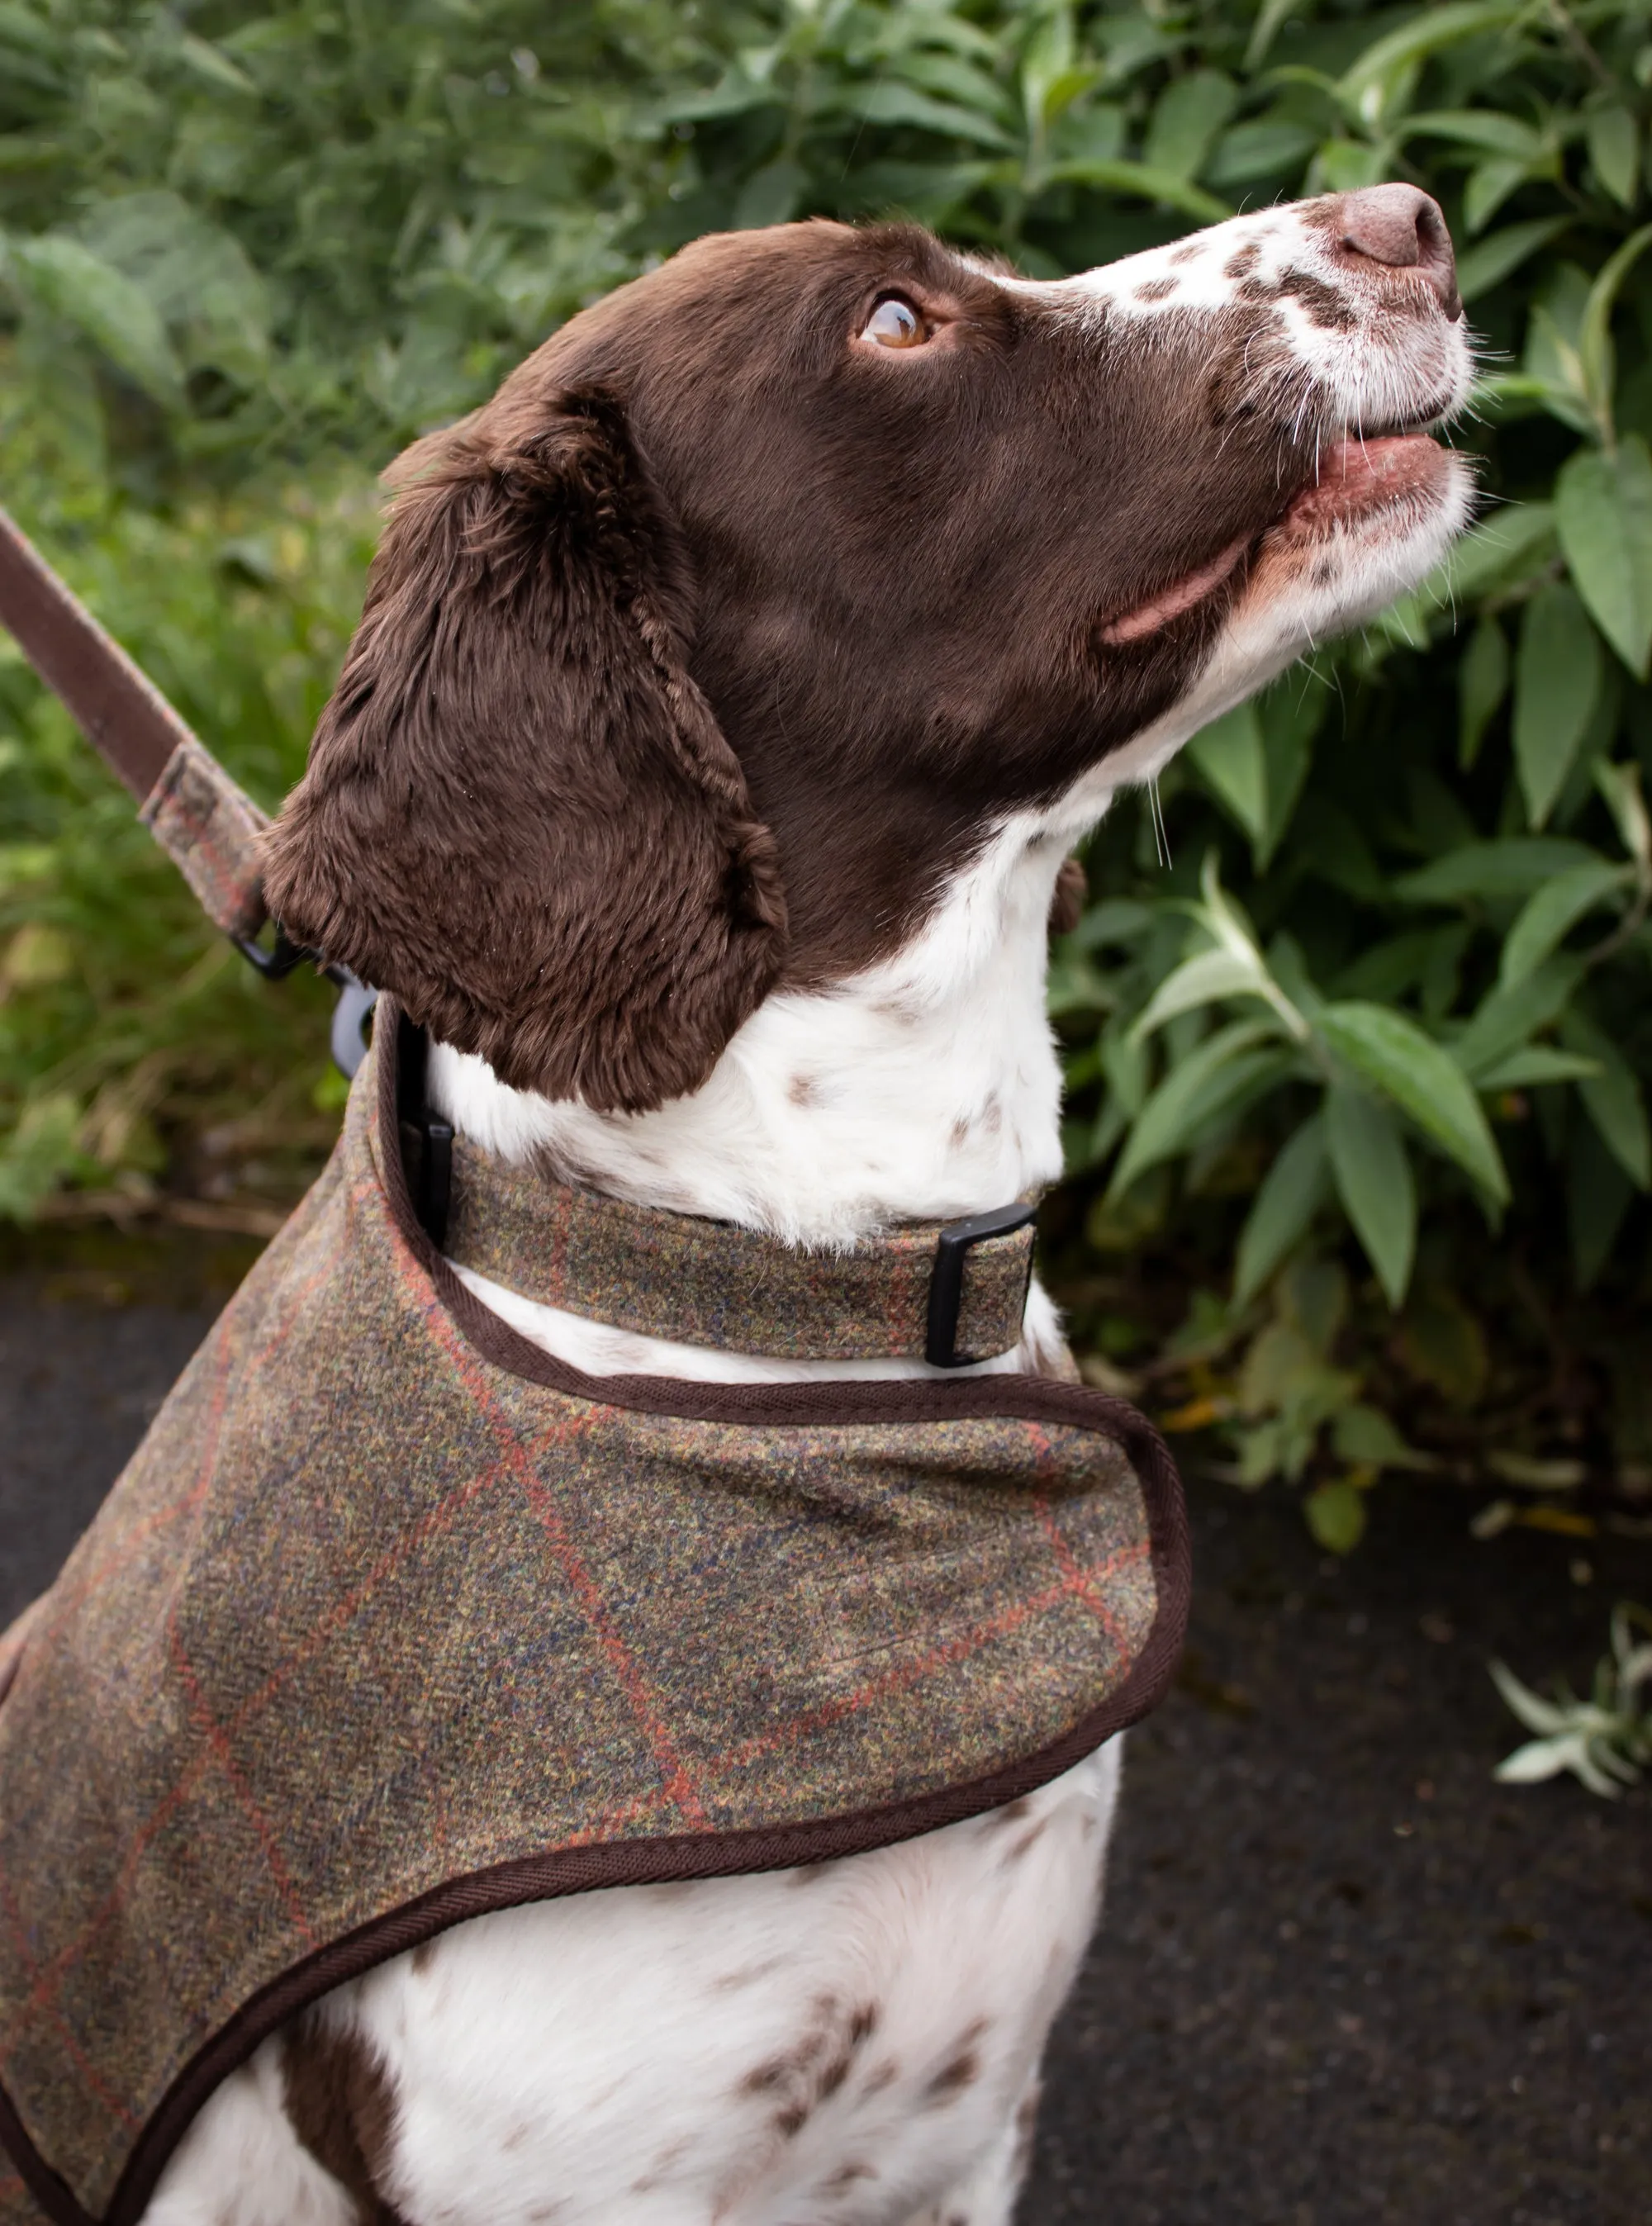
(207, 824)
(708, 1283)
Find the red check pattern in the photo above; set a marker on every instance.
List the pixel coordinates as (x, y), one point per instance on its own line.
(369, 1611)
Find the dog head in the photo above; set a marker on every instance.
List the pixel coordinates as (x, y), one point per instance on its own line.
(698, 659)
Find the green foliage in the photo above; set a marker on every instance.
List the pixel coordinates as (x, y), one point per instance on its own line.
(1389, 997)
(1606, 1741)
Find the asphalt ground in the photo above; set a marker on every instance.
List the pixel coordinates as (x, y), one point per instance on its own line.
(1343, 1977)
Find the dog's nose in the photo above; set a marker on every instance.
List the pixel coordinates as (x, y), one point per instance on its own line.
(1402, 228)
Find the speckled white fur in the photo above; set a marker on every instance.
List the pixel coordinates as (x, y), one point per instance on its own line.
(635, 2056)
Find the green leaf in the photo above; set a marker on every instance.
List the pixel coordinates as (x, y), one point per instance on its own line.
(1489, 261)
(1291, 714)
(1374, 1182)
(1191, 111)
(1283, 1209)
(1613, 138)
(891, 102)
(1145, 183)
(1201, 980)
(1513, 1012)
(1620, 788)
(1212, 1077)
(1366, 1435)
(1613, 1096)
(1594, 333)
(1528, 1069)
(1260, 149)
(113, 313)
(770, 195)
(1511, 545)
(1489, 187)
(1382, 65)
(1487, 128)
(1557, 679)
(1603, 508)
(1549, 917)
(1229, 754)
(1335, 1515)
(1393, 1054)
(1513, 867)
(1481, 684)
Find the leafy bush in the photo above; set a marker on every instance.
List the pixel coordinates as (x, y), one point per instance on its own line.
(1382, 1015)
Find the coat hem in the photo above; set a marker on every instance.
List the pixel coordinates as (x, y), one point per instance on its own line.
(684, 1856)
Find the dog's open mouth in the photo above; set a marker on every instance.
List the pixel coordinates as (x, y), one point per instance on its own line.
(1359, 479)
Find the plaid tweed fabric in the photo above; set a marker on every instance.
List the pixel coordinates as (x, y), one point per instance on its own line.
(209, 828)
(708, 1282)
(375, 1631)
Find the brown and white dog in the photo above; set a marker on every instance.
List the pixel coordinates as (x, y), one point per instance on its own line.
(730, 690)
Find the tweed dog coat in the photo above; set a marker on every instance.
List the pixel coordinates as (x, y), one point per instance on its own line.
(393, 1620)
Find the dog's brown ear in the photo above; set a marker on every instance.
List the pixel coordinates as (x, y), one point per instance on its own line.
(521, 816)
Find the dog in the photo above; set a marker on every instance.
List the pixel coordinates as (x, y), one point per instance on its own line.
(730, 692)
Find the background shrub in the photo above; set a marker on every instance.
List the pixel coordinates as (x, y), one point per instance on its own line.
(1357, 1023)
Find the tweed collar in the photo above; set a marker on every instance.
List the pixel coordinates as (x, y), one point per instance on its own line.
(709, 1283)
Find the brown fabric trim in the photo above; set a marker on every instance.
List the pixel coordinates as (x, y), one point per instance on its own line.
(713, 1284)
(651, 1862)
(121, 713)
(13, 1640)
(583, 1870)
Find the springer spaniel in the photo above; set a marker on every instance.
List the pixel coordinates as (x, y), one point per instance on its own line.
(730, 691)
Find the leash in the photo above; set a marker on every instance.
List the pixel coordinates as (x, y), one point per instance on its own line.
(207, 824)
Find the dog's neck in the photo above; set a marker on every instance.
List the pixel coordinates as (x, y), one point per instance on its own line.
(925, 1088)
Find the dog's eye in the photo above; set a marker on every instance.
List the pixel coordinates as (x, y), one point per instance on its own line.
(895, 324)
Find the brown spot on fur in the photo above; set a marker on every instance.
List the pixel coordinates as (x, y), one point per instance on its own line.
(959, 2071)
(1033, 1833)
(424, 1954)
(1156, 289)
(1011, 1813)
(833, 2076)
(1187, 253)
(1067, 905)
(961, 1130)
(1324, 305)
(767, 2076)
(1244, 260)
(342, 2107)
(881, 2075)
(803, 1089)
(846, 2175)
(790, 2122)
(732, 1981)
(863, 2024)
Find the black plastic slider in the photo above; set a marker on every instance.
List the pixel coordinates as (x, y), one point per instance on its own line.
(946, 1279)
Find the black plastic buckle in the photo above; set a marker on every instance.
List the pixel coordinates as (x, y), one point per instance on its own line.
(356, 999)
(946, 1279)
(279, 961)
(427, 1139)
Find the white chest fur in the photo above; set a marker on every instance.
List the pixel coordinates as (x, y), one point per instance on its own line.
(857, 2042)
